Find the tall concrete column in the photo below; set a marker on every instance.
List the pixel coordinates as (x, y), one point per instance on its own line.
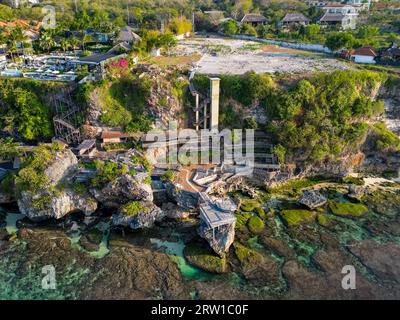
(214, 105)
(197, 120)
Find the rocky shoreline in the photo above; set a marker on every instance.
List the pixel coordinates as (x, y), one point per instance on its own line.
(281, 260)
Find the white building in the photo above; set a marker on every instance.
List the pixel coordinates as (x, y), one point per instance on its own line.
(363, 55)
(365, 4)
(340, 14)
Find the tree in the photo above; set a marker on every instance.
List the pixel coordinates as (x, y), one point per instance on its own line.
(65, 44)
(339, 40)
(280, 153)
(46, 40)
(230, 27)
(311, 31)
(367, 32)
(248, 29)
(180, 25)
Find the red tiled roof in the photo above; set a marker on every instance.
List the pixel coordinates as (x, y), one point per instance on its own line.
(111, 134)
(364, 51)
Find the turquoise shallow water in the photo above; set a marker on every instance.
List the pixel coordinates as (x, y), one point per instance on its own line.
(103, 247)
(11, 222)
(175, 251)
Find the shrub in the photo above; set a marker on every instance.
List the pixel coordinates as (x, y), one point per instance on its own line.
(169, 175)
(133, 208)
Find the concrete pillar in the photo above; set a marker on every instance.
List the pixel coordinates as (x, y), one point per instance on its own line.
(205, 115)
(197, 112)
(214, 106)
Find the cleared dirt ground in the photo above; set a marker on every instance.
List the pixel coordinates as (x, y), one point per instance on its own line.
(231, 56)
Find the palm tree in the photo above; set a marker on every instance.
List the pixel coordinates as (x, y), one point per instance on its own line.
(74, 42)
(85, 38)
(19, 37)
(46, 41)
(65, 44)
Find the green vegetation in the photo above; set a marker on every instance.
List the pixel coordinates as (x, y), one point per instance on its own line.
(204, 258)
(139, 160)
(248, 205)
(24, 110)
(347, 209)
(119, 146)
(385, 140)
(248, 258)
(353, 180)
(383, 202)
(107, 172)
(123, 101)
(31, 177)
(323, 118)
(242, 218)
(255, 224)
(133, 208)
(8, 149)
(297, 217)
(294, 187)
(169, 175)
(323, 220)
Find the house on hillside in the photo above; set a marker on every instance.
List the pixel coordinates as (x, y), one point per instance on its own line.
(127, 35)
(295, 19)
(254, 19)
(363, 55)
(97, 63)
(363, 4)
(215, 17)
(343, 16)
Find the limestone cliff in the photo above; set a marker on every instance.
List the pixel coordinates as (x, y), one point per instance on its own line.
(144, 219)
(124, 189)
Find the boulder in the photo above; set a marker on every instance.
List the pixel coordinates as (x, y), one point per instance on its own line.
(258, 268)
(61, 166)
(185, 199)
(356, 192)
(144, 219)
(45, 205)
(175, 212)
(53, 201)
(204, 258)
(124, 189)
(312, 199)
(219, 239)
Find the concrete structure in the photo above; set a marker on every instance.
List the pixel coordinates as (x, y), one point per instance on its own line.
(87, 147)
(363, 55)
(340, 14)
(214, 107)
(214, 215)
(206, 107)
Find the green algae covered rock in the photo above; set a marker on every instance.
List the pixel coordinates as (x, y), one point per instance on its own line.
(296, 217)
(255, 224)
(249, 205)
(383, 202)
(324, 220)
(256, 267)
(347, 209)
(204, 258)
(242, 218)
